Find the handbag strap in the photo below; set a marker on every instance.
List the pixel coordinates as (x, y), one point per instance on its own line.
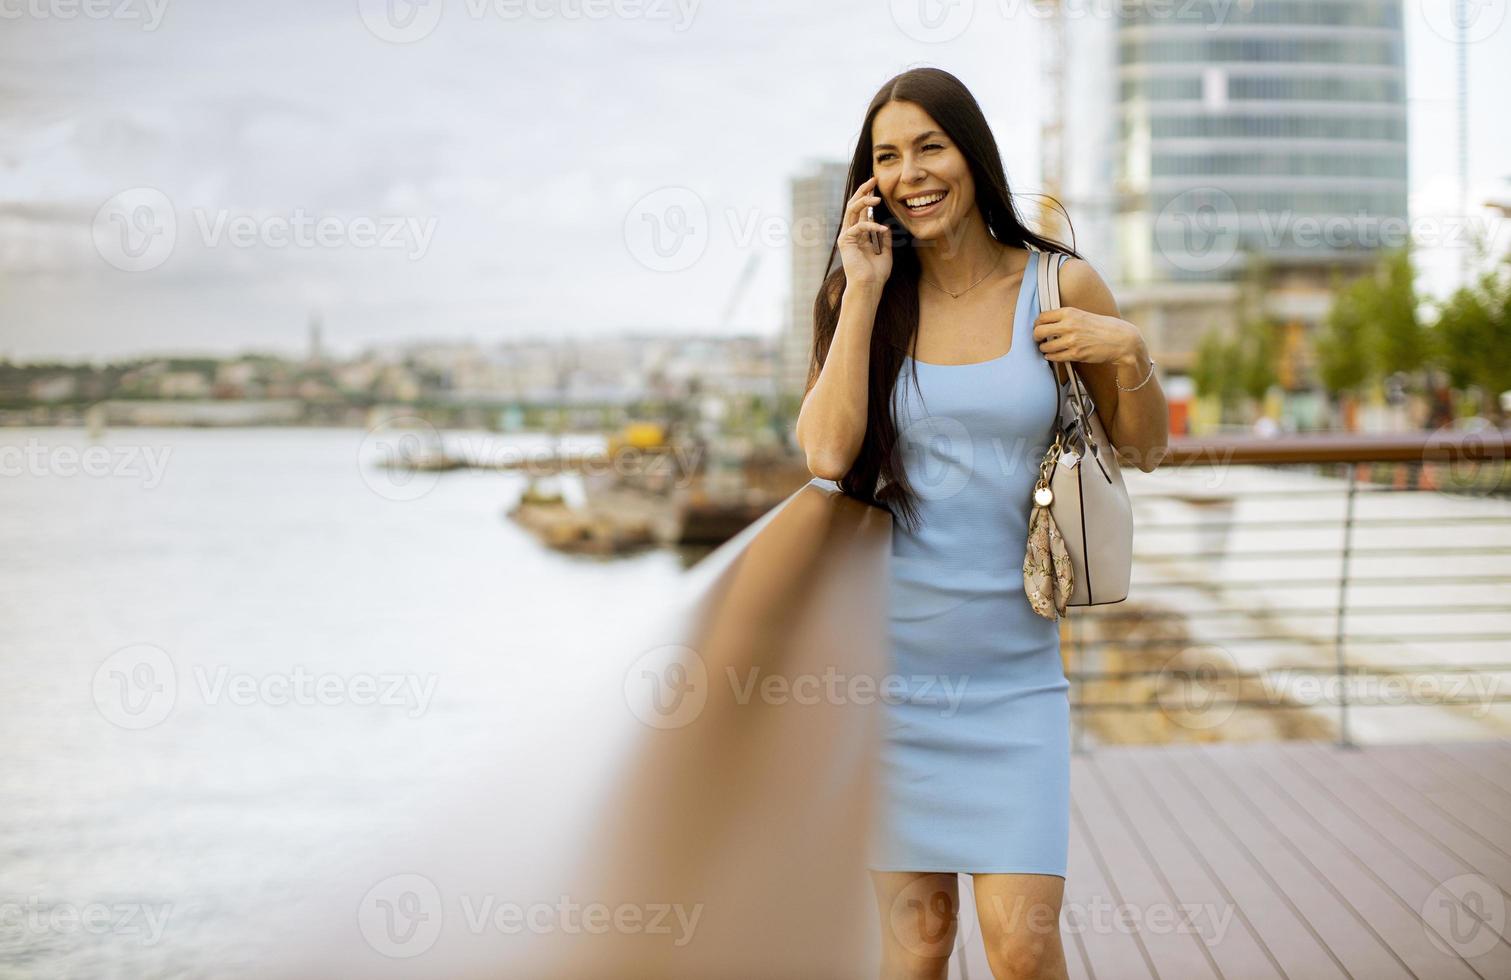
(1048, 274)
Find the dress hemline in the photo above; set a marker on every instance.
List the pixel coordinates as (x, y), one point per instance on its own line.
(979, 871)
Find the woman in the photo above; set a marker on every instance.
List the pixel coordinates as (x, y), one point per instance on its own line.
(976, 761)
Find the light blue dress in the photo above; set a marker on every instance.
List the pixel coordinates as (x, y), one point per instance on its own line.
(976, 754)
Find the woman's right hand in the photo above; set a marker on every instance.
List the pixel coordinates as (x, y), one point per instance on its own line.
(863, 265)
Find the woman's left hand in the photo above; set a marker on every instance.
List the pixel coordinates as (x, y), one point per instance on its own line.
(1069, 334)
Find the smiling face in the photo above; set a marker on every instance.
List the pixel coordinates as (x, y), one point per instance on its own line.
(916, 163)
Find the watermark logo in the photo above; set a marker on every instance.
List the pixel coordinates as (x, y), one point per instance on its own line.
(1465, 916)
(401, 916)
(1197, 231)
(400, 21)
(1477, 20)
(1197, 689)
(932, 21)
(668, 229)
(136, 230)
(925, 916)
(401, 458)
(1482, 471)
(667, 686)
(941, 454)
(136, 687)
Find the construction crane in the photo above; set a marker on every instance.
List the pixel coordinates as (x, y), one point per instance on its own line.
(735, 295)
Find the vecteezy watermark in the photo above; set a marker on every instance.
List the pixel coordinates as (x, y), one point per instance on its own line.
(1201, 229)
(1474, 20)
(932, 21)
(1201, 688)
(403, 915)
(938, 21)
(667, 230)
(134, 920)
(408, 21)
(138, 229)
(923, 913)
(147, 463)
(1477, 457)
(668, 687)
(950, 455)
(1197, 230)
(1465, 916)
(401, 458)
(1365, 231)
(836, 688)
(138, 687)
(148, 12)
(1310, 689)
(1100, 916)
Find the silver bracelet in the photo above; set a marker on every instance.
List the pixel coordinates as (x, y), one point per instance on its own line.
(1141, 383)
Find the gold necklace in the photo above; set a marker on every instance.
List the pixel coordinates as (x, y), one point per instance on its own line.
(972, 285)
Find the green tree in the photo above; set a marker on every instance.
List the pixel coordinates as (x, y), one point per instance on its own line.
(1472, 338)
(1400, 338)
(1232, 369)
(1342, 345)
(1257, 349)
(1217, 371)
(1373, 328)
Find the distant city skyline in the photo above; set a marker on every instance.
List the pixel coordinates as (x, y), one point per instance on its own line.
(645, 160)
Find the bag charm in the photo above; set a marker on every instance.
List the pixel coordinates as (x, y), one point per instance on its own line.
(1046, 563)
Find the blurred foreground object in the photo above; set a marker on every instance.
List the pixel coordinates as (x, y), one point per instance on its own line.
(704, 810)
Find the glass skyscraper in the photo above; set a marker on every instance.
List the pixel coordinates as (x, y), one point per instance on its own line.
(1271, 126)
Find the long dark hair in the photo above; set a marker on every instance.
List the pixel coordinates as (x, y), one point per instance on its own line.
(950, 103)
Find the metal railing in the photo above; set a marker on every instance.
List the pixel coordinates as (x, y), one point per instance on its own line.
(1226, 631)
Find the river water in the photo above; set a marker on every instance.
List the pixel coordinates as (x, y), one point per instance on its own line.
(230, 656)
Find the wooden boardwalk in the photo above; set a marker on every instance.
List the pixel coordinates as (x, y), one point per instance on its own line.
(1284, 859)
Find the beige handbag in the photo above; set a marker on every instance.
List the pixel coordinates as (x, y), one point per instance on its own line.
(1080, 531)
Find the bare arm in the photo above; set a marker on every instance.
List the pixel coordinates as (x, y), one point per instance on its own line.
(831, 425)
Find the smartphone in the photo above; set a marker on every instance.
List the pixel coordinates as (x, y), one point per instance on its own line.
(875, 235)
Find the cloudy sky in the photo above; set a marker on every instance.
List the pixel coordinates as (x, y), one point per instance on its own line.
(202, 175)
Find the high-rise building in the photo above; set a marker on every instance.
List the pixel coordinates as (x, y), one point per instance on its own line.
(817, 205)
(315, 357)
(1269, 129)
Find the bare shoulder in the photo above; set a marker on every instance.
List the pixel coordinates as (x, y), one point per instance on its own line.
(1082, 286)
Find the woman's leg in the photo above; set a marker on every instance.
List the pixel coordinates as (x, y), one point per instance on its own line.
(919, 915)
(1020, 924)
